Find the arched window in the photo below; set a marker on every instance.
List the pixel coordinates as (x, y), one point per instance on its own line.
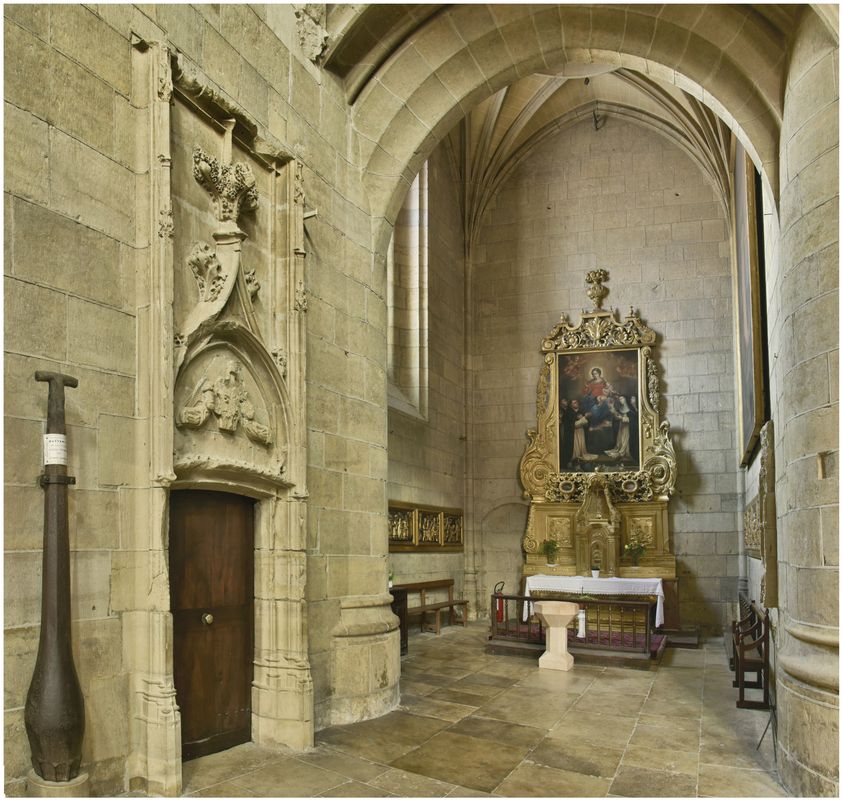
(407, 303)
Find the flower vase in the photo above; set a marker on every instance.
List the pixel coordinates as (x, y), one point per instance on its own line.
(595, 573)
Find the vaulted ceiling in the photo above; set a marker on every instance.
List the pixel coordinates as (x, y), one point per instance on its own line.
(502, 130)
(599, 65)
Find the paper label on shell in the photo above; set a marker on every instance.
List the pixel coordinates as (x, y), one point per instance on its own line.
(55, 449)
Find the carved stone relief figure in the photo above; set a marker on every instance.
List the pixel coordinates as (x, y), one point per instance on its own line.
(227, 398)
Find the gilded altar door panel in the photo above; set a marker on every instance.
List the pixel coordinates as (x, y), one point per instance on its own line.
(552, 522)
(647, 523)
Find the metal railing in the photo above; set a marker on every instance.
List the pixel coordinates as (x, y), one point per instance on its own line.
(610, 624)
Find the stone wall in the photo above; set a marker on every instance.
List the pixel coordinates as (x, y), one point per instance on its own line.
(626, 199)
(427, 455)
(69, 307)
(802, 307)
(77, 263)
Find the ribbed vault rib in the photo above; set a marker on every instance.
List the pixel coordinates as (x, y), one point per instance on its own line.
(502, 130)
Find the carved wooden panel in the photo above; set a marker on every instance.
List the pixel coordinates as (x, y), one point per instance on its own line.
(760, 536)
(415, 528)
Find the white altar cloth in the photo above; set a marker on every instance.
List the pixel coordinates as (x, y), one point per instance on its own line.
(576, 584)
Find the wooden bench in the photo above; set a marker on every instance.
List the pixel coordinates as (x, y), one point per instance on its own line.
(434, 606)
(751, 654)
(745, 621)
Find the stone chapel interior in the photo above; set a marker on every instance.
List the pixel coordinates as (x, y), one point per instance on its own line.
(319, 269)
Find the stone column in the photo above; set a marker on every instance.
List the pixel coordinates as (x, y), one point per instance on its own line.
(803, 326)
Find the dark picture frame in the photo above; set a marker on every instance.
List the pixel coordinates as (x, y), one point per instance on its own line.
(749, 350)
(599, 410)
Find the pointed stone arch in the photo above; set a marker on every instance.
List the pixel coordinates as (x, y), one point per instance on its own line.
(731, 58)
(232, 409)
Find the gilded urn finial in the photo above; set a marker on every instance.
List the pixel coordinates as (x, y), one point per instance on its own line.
(596, 290)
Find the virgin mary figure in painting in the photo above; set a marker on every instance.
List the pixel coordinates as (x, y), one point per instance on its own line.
(598, 386)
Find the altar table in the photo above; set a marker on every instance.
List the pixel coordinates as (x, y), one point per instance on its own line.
(579, 585)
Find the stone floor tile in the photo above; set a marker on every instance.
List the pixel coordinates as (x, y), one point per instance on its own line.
(440, 709)
(512, 667)
(358, 769)
(509, 728)
(374, 746)
(489, 679)
(604, 729)
(463, 791)
(556, 681)
(453, 695)
(494, 730)
(680, 723)
(614, 703)
(527, 706)
(404, 783)
(664, 759)
(463, 760)
(572, 755)
(672, 708)
(418, 686)
(224, 789)
(536, 780)
(291, 778)
(736, 753)
(720, 781)
(639, 782)
(678, 657)
(448, 670)
(356, 789)
(199, 773)
(667, 734)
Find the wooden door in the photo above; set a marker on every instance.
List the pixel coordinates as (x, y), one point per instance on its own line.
(212, 600)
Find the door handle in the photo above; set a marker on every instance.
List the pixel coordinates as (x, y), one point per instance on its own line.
(207, 618)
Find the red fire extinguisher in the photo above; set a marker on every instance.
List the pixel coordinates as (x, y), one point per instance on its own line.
(499, 594)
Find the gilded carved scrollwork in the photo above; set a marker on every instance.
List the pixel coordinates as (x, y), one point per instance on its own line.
(652, 382)
(529, 543)
(661, 466)
(537, 465)
(598, 330)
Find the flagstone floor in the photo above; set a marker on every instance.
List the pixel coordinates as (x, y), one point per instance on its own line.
(472, 724)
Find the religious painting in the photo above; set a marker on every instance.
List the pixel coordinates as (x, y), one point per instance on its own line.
(750, 332)
(599, 411)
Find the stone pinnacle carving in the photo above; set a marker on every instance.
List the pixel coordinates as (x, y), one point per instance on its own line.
(231, 186)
